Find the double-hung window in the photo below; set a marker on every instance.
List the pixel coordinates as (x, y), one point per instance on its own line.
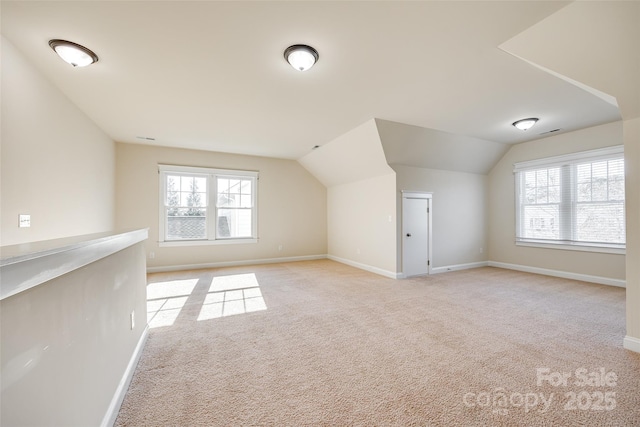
(203, 205)
(574, 201)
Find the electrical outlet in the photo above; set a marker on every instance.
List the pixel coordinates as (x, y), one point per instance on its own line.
(481, 250)
(133, 319)
(279, 247)
(24, 221)
(152, 255)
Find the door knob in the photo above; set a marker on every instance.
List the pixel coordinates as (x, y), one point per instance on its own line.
(408, 234)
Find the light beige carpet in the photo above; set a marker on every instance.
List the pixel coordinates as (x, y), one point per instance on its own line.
(340, 346)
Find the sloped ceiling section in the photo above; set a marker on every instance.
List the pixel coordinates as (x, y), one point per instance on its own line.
(210, 75)
(433, 149)
(604, 41)
(368, 150)
(352, 157)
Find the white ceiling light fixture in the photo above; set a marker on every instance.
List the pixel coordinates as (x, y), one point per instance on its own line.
(301, 57)
(525, 124)
(73, 53)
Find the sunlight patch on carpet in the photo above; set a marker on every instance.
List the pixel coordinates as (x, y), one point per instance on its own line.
(166, 299)
(231, 295)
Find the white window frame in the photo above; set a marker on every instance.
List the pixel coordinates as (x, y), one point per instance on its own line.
(212, 210)
(564, 162)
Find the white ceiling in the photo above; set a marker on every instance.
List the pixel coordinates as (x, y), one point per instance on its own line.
(433, 149)
(211, 75)
(604, 41)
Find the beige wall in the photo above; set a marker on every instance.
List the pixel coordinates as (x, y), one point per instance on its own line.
(632, 165)
(502, 246)
(66, 343)
(361, 207)
(291, 205)
(56, 166)
(362, 223)
(459, 217)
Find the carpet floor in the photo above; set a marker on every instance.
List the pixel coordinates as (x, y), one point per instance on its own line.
(322, 343)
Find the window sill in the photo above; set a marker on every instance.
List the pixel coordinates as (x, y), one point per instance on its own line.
(574, 247)
(171, 243)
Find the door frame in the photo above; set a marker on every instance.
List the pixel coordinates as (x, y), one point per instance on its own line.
(429, 197)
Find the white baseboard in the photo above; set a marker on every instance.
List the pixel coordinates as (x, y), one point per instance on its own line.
(366, 267)
(438, 270)
(631, 343)
(114, 407)
(563, 274)
(233, 263)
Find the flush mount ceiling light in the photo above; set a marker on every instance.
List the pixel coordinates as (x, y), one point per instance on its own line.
(73, 53)
(301, 57)
(525, 124)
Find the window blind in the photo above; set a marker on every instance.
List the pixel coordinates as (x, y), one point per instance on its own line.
(576, 199)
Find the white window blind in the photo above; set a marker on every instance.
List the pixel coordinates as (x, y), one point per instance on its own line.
(575, 200)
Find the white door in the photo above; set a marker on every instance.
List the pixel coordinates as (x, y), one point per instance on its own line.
(415, 234)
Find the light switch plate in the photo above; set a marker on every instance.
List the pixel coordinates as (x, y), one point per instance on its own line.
(24, 221)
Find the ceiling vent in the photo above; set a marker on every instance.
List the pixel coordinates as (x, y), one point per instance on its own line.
(550, 131)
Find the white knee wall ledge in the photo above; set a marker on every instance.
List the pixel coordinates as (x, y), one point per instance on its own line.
(30, 264)
(69, 307)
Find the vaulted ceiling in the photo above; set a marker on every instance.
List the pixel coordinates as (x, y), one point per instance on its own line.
(211, 75)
